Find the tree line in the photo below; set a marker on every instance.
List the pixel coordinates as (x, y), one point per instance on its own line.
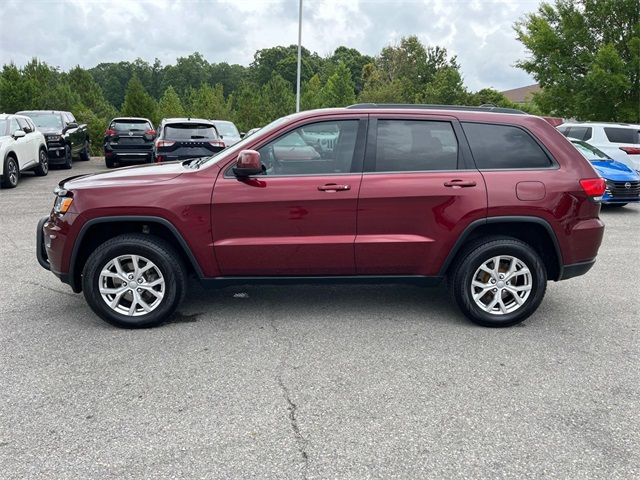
(584, 55)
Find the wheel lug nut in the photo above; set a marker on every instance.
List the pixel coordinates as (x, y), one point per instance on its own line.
(501, 276)
(130, 277)
(139, 280)
(139, 290)
(495, 290)
(493, 280)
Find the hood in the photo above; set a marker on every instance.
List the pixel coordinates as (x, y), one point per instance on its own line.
(136, 175)
(50, 130)
(614, 170)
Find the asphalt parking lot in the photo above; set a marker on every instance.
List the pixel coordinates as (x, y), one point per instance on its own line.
(317, 381)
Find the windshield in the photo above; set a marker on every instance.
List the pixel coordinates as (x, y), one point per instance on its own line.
(227, 129)
(189, 131)
(589, 152)
(241, 144)
(46, 120)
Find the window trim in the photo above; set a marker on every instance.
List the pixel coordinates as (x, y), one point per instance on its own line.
(462, 164)
(356, 161)
(554, 165)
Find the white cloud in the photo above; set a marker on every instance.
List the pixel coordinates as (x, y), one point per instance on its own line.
(67, 33)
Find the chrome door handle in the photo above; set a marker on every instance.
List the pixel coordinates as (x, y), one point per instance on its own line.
(333, 187)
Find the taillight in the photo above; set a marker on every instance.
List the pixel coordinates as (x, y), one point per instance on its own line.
(217, 143)
(631, 150)
(593, 187)
(164, 143)
(109, 133)
(150, 132)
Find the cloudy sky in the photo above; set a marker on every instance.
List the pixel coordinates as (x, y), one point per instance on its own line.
(87, 32)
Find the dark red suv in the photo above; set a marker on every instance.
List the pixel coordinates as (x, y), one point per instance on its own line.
(495, 203)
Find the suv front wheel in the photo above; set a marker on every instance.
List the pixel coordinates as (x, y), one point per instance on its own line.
(134, 281)
(498, 281)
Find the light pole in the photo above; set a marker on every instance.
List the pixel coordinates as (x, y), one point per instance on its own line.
(299, 57)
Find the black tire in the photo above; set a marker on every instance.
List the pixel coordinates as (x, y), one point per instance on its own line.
(68, 158)
(481, 251)
(156, 250)
(10, 173)
(43, 163)
(85, 153)
(109, 162)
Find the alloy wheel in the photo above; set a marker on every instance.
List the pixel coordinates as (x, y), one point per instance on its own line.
(501, 285)
(44, 162)
(131, 285)
(12, 172)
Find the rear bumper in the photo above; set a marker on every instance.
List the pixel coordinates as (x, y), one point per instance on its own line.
(129, 155)
(576, 269)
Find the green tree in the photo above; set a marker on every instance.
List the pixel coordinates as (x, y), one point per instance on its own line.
(339, 91)
(585, 54)
(446, 88)
(248, 108)
(137, 102)
(170, 105)
(16, 91)
(208, 102)
(311, 95)
(278, 99)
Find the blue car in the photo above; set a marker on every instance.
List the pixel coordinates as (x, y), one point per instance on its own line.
(623, 183)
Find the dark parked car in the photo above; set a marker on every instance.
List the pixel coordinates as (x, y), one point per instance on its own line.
(128, 140)
(182, 138)
(494, 203)
(65, 138)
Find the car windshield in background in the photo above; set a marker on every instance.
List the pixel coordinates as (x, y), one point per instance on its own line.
(589, 152)
(190, 131)
(46, 120)
(227, 129)
(125, 126)
(622, 135)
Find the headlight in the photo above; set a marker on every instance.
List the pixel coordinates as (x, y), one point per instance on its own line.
(63, 200)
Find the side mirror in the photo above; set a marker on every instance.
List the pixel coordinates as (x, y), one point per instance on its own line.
(248, 164)
(71, 125)
(242, 134)
(19, 134)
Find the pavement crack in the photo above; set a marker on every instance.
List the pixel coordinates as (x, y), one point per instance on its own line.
(49, 288)
(292, 408)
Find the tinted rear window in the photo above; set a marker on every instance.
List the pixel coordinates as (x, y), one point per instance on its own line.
(189, 131)
(128, 125)
(622, 135)
(579, 133)
(504, 146)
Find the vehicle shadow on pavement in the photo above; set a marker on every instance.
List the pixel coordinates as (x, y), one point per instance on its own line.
(300, 302)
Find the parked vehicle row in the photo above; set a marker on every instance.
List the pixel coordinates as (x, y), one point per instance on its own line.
(134, 140)
(495, 203)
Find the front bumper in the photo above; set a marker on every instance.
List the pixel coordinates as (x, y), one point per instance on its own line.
(43, 243)
(56, 154)
(41, 252)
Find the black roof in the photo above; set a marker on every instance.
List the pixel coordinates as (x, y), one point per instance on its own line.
(423, 106)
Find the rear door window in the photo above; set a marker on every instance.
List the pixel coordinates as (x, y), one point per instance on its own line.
(415, 145)
(622, 135)
(190, 131)
(504, 147)
(579, 133)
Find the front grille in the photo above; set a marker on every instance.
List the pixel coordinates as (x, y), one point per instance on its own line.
(620, 190)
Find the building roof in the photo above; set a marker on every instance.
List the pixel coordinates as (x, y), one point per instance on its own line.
(522, 94)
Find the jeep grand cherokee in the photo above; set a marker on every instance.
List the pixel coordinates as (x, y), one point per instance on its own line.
(495, 203)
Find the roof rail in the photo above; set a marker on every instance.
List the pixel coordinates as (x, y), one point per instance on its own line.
(418, 106)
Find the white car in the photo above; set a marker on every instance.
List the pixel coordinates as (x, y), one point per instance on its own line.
(22, 147)
(620, 141)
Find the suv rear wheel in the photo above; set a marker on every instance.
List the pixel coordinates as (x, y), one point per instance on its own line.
(134, 281)
(498, 281)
